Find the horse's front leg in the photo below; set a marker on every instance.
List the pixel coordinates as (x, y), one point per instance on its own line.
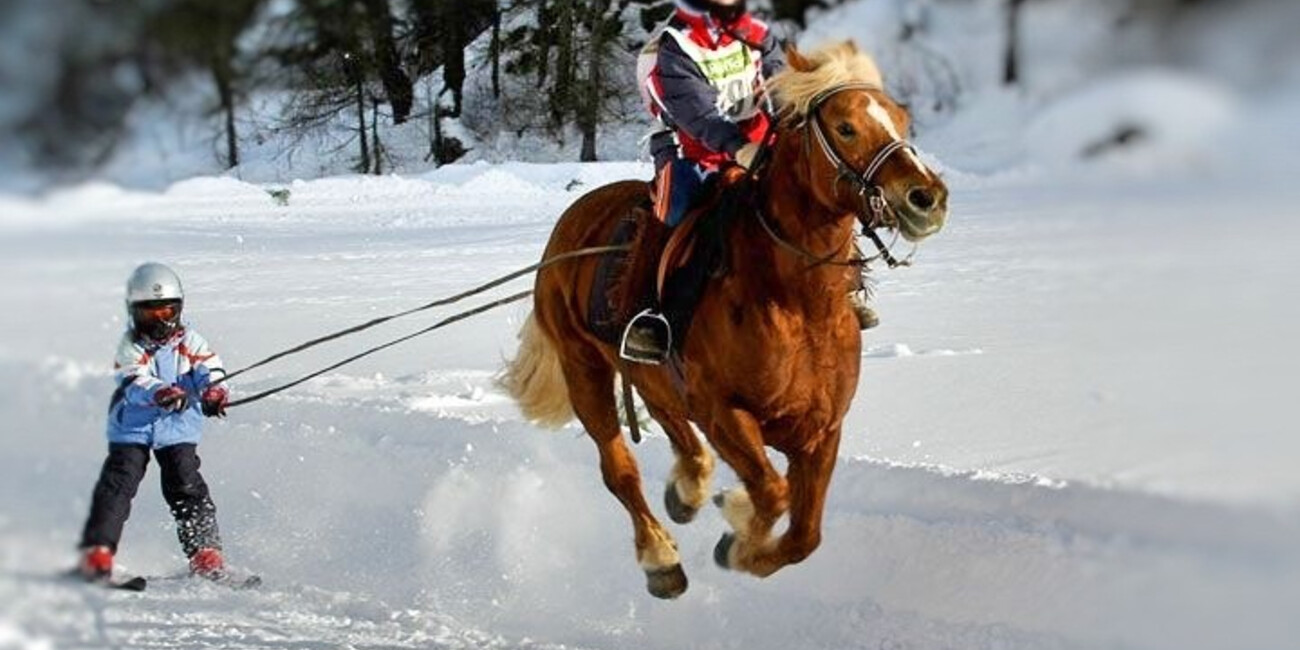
(751, 510)
(809, 477)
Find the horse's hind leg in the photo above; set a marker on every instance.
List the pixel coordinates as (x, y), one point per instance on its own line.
(688, 484)
(591, 389)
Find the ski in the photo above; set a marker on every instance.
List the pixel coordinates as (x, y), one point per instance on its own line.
(133, 583)
(236, 581)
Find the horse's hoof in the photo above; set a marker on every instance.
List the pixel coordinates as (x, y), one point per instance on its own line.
(678, 511)
(722, 552)
(668, 582)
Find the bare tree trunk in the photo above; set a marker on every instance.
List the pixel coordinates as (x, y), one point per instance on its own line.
(1011, 64)
(377, 148)
(361, 125)
(562, 92)
(592, 91)
(436, 151)
(222, 76)
(589, 118)
(495, 51)
(454, 39)
(424, 16)
(435, 129)
(546, 29)
(397, 85)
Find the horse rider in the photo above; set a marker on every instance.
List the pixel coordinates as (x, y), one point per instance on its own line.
(702, 79)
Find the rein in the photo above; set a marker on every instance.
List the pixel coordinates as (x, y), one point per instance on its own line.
(814, 260)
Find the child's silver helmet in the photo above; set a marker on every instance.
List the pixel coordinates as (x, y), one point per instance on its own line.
(154, 299)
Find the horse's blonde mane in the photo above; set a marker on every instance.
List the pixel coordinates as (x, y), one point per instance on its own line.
(841, 63)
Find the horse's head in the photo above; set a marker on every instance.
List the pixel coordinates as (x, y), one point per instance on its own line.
(854, 141)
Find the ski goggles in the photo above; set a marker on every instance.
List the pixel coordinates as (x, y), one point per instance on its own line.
(158, 311)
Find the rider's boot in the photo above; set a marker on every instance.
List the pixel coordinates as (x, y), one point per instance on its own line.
(867, 317)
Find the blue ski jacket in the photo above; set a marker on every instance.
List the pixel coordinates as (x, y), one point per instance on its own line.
(141, 368)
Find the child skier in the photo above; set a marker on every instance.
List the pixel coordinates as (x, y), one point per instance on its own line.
(165, 373)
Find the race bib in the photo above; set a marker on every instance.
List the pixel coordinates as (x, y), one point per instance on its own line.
(732, 70)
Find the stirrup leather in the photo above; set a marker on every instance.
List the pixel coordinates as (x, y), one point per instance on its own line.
(656, 320)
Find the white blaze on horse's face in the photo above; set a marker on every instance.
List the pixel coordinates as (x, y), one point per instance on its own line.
(886, 122)
(916, 195)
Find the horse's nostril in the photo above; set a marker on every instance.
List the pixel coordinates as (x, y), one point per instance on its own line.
(920, 199)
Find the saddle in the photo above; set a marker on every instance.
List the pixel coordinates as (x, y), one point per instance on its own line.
(665, 267)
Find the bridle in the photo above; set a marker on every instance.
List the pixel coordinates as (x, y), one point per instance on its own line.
(875, 211)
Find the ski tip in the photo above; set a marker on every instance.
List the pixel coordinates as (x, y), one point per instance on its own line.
(134, 583)
(138, 583)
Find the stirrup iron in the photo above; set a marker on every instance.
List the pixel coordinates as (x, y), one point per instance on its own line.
(658, 320)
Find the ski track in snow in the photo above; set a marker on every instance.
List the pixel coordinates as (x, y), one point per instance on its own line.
(400, 503)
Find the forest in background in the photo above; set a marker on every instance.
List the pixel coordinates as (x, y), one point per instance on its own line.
(72, 71)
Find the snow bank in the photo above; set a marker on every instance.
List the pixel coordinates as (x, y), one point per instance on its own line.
(1155, 119)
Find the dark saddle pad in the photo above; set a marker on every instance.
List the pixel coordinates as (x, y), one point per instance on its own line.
(675, 263)
(606, 315)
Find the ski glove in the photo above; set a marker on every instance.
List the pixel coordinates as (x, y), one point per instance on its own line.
(171, 398)
(214, 400)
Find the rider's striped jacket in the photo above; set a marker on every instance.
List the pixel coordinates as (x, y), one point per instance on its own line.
(703, 82)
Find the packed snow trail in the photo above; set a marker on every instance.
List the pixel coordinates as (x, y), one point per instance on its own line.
(1055, 444)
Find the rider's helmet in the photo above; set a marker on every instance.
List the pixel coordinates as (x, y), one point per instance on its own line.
(154, 299)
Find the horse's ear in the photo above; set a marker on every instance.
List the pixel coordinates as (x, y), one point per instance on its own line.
(797, 61)
(852, 45)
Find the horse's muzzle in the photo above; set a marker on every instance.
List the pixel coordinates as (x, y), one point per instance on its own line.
(922, 212)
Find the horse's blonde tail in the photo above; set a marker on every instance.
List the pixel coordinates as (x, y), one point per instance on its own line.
(536, 381)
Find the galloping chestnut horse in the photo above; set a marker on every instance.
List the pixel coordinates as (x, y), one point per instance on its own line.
(772, 357)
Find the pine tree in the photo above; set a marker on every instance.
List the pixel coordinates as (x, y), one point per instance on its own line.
(581, 55)
(603, 25)
(343, 56)
(443, 29)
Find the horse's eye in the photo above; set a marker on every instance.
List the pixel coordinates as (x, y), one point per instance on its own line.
(846, 130)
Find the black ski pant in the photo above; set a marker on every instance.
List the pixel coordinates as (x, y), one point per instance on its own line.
(182, 486)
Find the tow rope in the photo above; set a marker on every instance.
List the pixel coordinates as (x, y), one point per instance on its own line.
(554, 259)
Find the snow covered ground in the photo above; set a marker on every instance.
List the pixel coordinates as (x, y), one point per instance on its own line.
(1073, 429)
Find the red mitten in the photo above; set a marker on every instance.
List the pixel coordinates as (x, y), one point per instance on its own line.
(214, 400)
(171, 398)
